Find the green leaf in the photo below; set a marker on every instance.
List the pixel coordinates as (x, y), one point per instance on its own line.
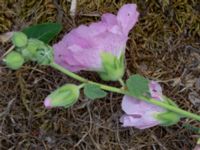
(137, 85)
(44, 32)
(93, 91)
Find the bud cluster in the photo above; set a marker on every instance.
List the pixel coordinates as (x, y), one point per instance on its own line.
(28, 49)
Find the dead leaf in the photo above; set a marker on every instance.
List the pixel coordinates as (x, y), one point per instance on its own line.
(5, 37)
(194, 98)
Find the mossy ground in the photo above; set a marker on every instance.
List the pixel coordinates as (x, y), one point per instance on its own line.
(164, 46)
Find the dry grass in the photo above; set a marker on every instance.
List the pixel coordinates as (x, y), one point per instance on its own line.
(164, 46)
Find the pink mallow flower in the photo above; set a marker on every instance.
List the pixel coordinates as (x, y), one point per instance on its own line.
(81, 48)
(140, 114)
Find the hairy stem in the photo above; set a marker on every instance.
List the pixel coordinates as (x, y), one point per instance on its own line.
(121, 91)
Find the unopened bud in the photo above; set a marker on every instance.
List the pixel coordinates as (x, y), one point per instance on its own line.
(44, 55)
(19, 39)
(37, 50)
(64, 96)
(14, 60)
(29, 52)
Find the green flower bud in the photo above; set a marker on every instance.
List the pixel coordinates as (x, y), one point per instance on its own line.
(64, 96)
(44, 55)
(19, 39)
(30, 51)
(14, 60)
(168, 118)
(113, 67)
(37, 50)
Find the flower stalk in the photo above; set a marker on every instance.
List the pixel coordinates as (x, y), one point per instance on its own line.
(122, 82)
(121, 91)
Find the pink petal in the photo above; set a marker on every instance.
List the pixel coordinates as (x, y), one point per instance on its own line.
(112, 43)
(127, 17)
(138, 113)
(89, 58)
(130, 105)
(140, 123)
(112, 23)
(47, 103)
(155, 90)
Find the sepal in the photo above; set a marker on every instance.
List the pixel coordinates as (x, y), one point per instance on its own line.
(113, 67)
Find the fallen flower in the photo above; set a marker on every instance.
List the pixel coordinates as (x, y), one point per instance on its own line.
(141, 114)
(82, 48)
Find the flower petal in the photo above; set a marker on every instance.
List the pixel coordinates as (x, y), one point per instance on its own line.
(132, 106)
(127, 17)
(47, 103)
(139, 114)
(112, 23)
(155, 90)
(144, 122)
(82, 47)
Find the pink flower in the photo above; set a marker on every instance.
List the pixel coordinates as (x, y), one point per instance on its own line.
(81, 48)
(141, 114)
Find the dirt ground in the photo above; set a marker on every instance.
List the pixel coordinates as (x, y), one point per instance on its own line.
(163, 46)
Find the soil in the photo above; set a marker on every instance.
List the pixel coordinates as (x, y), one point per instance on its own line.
(163, 46)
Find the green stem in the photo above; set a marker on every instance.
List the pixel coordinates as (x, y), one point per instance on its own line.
(121, 91)
(81, 79)
(81, 86)
(171, 108)
(121, 82)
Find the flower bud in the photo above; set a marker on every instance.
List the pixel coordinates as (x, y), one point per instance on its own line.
(64, 96)
(44, 55)
(30, 51)
(19, 39)
(14, 60)
(113, 67)
(37, 50)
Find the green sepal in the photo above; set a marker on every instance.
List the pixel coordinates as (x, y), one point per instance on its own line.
(168, 118)
(93, 91)
(113, 67)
